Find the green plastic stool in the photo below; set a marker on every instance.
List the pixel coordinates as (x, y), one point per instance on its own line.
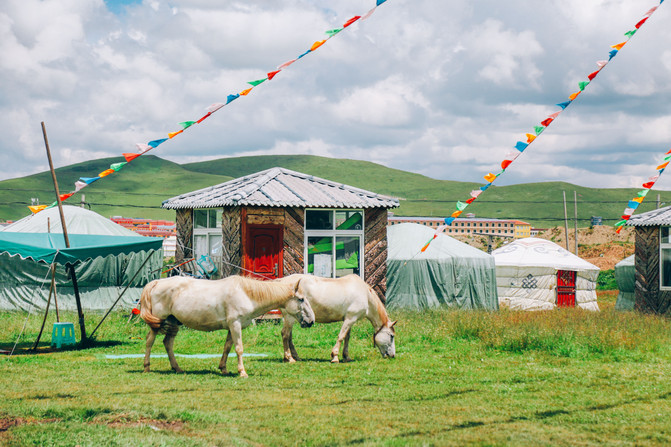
(63, 334)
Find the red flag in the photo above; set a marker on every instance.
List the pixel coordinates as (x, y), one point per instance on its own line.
(130, 157)
(546, 122)
(471, 200)
(272, 74)
(639, 24)
(592, 75)
(648, 185)
(203, 117)
(350, 21)
(626, 217)
(505, 163)
(65, 196)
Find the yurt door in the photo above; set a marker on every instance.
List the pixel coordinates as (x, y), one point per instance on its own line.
(565, 288)
(264, 251)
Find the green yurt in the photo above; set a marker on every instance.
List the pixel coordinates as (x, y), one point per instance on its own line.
(449, 273)
(625, 276)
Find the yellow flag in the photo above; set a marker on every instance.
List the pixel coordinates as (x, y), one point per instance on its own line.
(37, 208)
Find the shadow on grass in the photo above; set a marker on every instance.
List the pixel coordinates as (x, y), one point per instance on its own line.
(537, 416)
(26, 348)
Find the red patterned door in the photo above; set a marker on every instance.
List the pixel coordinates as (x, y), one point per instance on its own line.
(264, 251)
(566, 288)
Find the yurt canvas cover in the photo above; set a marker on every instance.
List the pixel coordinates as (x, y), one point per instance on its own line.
(449, 273)
(625, 276)
(526, 275)
(105, 254)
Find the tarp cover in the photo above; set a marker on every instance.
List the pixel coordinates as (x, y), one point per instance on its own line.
(526, 275)
(625, 276)
(106, 259)
(449, 273)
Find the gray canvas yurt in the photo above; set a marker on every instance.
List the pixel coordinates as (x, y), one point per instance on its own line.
(625, 276)
(106, 257)
(449, 273)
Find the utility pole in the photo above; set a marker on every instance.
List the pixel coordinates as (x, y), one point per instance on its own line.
(575, 221)
(565, 221)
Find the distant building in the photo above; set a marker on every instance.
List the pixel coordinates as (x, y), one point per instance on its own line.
(469, 226)
(147, 227)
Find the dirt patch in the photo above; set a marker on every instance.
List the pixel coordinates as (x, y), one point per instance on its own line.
(7, 423)
(600, 245)
(124, 421)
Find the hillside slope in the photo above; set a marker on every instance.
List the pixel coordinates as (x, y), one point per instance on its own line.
(140, 187)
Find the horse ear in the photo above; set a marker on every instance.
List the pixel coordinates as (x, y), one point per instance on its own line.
(393, 323)
(298, 283)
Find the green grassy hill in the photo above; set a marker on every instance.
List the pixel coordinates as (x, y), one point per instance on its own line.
(139, 188)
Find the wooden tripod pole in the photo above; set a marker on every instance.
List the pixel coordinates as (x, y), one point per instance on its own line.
(71, 267)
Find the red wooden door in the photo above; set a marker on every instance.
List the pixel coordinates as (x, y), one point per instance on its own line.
(566, 288)
(263, 254)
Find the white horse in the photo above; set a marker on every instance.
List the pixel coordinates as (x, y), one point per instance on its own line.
(230, 303)
(345, 299)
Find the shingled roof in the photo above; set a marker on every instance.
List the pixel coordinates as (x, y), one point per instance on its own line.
(661, 216)
(280, 187)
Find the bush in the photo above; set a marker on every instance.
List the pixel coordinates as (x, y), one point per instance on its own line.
(606, 280)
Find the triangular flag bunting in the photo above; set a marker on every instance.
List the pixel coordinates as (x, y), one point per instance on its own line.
(333, 32)
(648, 185)
(592, 75)
(255, 83)
(272, 74)
(200, 120)
(317, 45)
(619, 45)
(449, 220)
(662, 166)
(639, 24)
(79, 185)
(172, 134)
(350, 21)
(582, 85)
(245, 92)
(457, 213)
(217, 105)
(475, 193)
(546, 122)
(186, 124)
(521, 145)
(490, 177)
(612, 54)
(89, 180)
(106, 172)
(563, 105)
(379, 2)
(574, 95)
(461, 206)
(231, 98)
(117, 166)
(530, 137)
(156, 143)
(142, 148)
(130, 157)
(64, 197)
(471, 200)
(601, 64)
(539, 129)
(37, 208)
(286, 64)
(630, 34)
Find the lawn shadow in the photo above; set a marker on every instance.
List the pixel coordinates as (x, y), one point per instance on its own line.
(26, 348)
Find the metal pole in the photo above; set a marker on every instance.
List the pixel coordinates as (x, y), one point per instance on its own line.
(82, 327)
(575, 221)
(565, 221)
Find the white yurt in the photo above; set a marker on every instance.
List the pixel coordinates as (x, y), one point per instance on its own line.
(536, 274)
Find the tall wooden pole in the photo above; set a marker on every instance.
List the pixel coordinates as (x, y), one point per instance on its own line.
(565, 221)
(71, 267)
(575, 220)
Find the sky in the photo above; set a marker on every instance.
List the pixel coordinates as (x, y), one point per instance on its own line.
(443, 88)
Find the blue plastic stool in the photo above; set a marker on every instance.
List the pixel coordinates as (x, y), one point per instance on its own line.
(63, 334)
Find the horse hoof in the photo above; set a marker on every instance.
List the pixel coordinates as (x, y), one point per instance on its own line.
(179, 371)
(146, 369)
(335, 360)
(346, 360)
(244, 375)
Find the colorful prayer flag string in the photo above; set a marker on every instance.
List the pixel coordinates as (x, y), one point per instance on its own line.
(640, 196)
(521, 146)
(143, 148)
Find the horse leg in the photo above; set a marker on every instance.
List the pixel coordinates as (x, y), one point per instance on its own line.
(235, 330)
(151, 336)
(345, 348)
(168, 342)
(289, 350)
(344, 330)
(224, 357)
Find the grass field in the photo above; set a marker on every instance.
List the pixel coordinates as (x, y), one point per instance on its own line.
(564, 377)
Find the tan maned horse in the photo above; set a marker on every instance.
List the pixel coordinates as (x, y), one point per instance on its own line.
(346, 299)
(230, 303)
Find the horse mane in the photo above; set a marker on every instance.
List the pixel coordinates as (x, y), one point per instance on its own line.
(264, 292)
(381, 310)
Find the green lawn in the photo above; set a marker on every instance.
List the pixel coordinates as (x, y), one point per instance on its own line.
(565, 377)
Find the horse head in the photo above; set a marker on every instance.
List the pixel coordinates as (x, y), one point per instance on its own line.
(384, 340)
(299, 308)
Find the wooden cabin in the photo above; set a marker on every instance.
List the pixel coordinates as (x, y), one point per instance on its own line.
(278, 222)
(652, 260)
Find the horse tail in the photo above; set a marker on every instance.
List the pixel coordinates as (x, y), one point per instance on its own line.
(145, 306)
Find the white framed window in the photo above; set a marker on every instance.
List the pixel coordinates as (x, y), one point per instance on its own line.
(207, 236)
(334, 241)
(665, 258)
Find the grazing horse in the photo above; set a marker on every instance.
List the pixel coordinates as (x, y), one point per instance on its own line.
(230, 303)
(345, 299)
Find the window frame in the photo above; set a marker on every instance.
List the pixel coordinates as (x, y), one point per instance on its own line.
(335, 234)
(663, 246)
